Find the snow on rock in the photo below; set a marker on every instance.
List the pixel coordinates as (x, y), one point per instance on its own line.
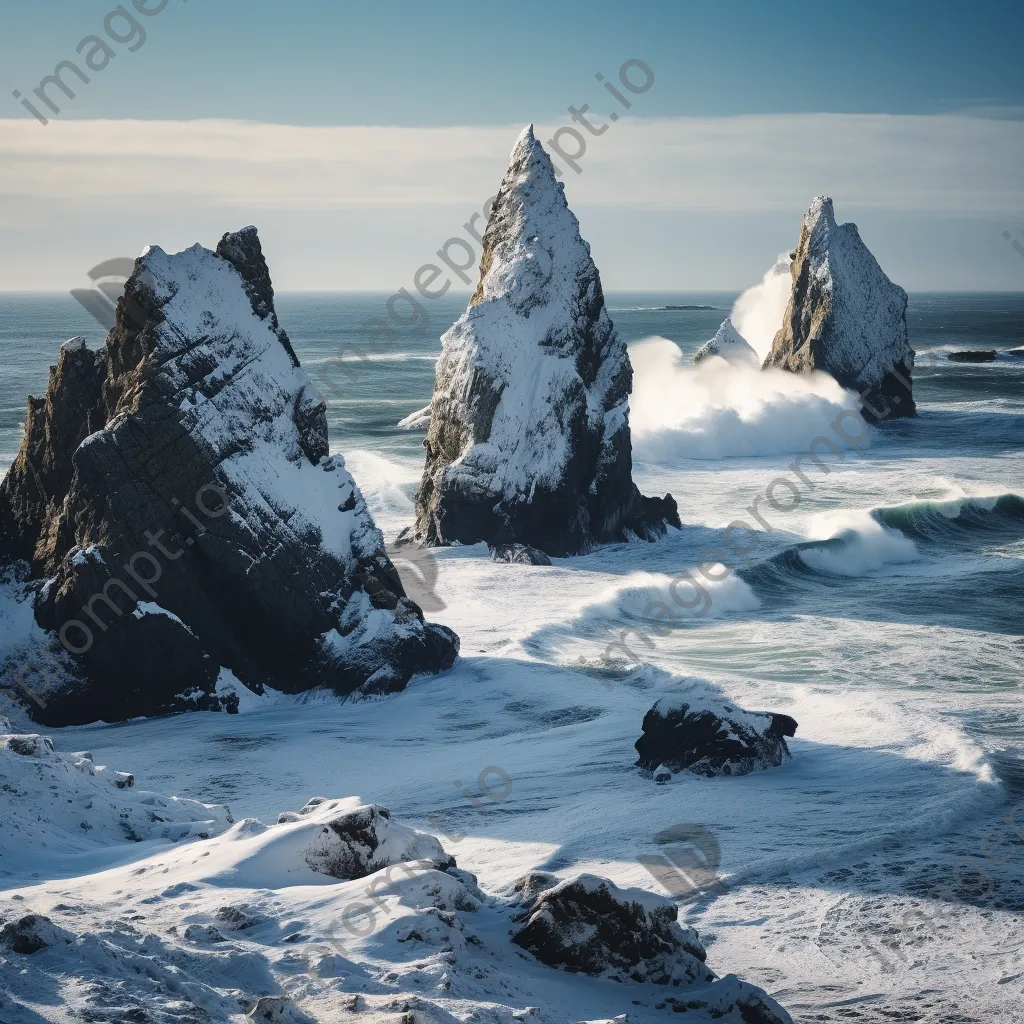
(53, 804)
(846, 317)
(529, 430)
(588, 925)
(365, 840)
(193, 519)
(31, 933)
(729, 344)
(240, 924)
(418, 420)
(712, 738)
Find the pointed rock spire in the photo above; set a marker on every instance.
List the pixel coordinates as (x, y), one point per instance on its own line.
(529, 432)
(846, 317)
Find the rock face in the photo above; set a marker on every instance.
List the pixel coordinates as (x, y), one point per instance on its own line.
(729, 344)
(176, 493)
(712, 740)
(529, 424)
(589, 925)
(846, 317)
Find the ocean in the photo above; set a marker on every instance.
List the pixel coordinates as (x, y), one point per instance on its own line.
(879, 875)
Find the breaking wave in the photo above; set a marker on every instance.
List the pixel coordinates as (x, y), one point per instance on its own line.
(717, 410)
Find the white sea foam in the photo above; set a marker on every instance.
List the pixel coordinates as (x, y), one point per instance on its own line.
(717, 409)
(759, 311)
(663, 599)
(859, 545)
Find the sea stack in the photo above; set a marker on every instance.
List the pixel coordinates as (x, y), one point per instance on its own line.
(730, 345)
(846, 317)
(529, 426)
(175, 497)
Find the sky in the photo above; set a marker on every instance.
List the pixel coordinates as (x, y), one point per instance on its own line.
(360, 136)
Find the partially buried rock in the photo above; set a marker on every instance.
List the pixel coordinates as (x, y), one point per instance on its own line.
(730, 345)
(846, 318)
(529, 436)
(360, 842)
(589, 925)
(31, 933)
(712, 738)
(176, 494)
(519, 554)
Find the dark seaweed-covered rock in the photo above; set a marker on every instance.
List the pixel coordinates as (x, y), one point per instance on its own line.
(712, 739)
(529, 438)
(177, 502)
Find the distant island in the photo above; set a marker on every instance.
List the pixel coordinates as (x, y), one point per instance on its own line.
(689, 307)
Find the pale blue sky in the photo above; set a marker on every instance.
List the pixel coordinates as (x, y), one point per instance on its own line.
(480, 62)
(698, 185)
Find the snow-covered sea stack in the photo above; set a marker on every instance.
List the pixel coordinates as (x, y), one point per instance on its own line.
(176, 494)
(730, 345)
(846, 317)
(529, 428)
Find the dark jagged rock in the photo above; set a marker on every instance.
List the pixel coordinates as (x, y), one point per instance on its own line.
(176, 494)
(846, 318)
(718, 739)
(55, 426)
(589, 925)
(529, 426)
(980, 356)
(519, 554)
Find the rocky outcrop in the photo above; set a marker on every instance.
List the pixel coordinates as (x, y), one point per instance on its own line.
(730, 345)
(712, 739)
(177, 495)
(519, 554)
(589, 925)
(356, 843)
(31, 933)
(846, 318)
(529, 423)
